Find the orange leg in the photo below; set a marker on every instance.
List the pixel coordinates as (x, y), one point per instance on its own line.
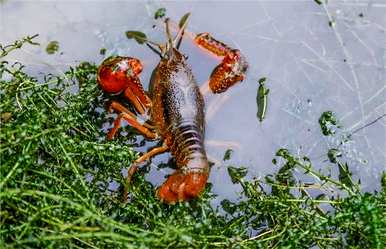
(134, 123)
(118, 107)
(144, 157)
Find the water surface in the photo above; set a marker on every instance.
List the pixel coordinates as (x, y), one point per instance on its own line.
(315, 58)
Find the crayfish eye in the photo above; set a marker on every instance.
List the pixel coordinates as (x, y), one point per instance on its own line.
(116, 72)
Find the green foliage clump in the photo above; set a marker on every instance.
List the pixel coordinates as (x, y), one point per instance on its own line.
(52, 47)
(327, 122)
(57, 171)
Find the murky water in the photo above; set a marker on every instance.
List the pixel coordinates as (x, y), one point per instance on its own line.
(315, 58)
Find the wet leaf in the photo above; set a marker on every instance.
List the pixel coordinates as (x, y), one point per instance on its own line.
(285, 174)
(228, 206)
(102, 51)
(183, 20)
(227, 155)
(52, 47)
(284, 153)
(321, 197)
(333, 154)
(345, 175)
(160, 13)
(137, 36)
(261, 99)
(327, 121)
(237, 174)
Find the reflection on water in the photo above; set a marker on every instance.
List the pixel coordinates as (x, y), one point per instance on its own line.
(310, 68)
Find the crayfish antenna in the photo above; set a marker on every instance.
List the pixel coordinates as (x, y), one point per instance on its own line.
(169, 44)
(155, 50)
(178, 39)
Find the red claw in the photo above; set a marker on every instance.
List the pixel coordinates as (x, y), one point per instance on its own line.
(182, 186)
(230, 71)
(117, 73)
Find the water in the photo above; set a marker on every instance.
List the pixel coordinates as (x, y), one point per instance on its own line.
(315, 58)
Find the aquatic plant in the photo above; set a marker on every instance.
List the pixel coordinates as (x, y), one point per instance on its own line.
(57, 170)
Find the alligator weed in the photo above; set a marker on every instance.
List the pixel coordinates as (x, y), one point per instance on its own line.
(56, 171)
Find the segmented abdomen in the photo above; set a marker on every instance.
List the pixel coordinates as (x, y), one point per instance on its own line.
(188, 145)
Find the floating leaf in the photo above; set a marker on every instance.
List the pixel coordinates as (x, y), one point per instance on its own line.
(102, 51)
(284, 153)
(321, 197)
(318, 2)
(52, 47)
(326, 121)
(160, 13)
(183, 20)
(136, 35)
(333, 154)
(227, 155)
(261, 99)
(237, 174)
(285, 174)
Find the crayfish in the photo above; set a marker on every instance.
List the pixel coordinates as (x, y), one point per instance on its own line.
(174, 105)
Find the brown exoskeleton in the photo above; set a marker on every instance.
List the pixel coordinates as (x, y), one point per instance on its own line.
(175, 106)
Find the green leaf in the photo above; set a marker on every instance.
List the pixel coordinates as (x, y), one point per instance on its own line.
(52, 47)
(262, 80)
(183, 20)
(261, 99)
(333, 154)
(160, 13)
(228, 206)
(136, 35)
(327, 121)
(345, 175)
(285, 174)
(102, 51)
(237, 174)
(227, 155)
(321, 197)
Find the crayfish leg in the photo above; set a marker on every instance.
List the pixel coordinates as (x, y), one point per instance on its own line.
(132, 122)
(133, 168)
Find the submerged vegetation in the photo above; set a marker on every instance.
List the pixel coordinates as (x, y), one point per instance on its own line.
(52, 47)
(57, 170)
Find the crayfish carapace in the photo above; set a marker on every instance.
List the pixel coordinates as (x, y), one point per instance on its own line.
(175, 106)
